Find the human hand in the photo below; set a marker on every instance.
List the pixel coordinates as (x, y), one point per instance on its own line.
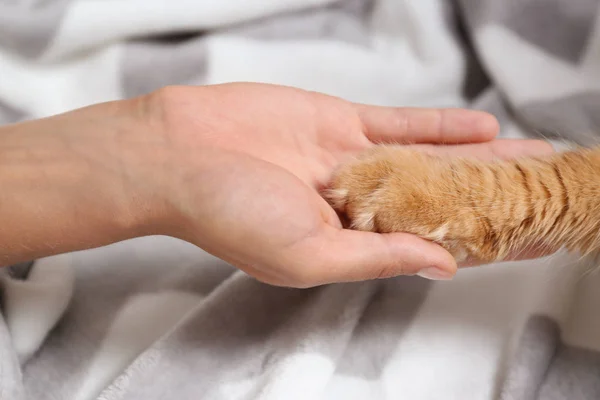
(235, 169)
(242, 165)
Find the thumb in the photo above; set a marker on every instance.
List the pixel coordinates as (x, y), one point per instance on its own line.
(341, 255)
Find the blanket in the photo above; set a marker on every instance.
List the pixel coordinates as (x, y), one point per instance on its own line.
(156, 318)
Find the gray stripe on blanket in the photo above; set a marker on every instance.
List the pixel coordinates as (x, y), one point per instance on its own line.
(10, 114)
(28, 27)
(544, 368)
(344, 21)
(251, 329)
(574, 118)
(389, 314)
(10, 374)
(151, 64)
(491, 101)
(536, 349)
(248, 328)
(574, 375)
(20, 271)
(545, 23)
(103, 287)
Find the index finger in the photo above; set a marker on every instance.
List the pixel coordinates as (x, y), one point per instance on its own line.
(426, 125)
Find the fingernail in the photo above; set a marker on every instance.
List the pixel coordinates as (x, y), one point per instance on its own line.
(435, 274)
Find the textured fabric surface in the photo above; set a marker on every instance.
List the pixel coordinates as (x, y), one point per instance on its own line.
(157, 318)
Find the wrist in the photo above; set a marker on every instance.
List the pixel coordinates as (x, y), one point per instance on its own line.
(143, 157)
(74, 181)
(159, 160)
(168, 161)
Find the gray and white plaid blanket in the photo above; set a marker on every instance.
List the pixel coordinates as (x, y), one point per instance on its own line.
(156, 318)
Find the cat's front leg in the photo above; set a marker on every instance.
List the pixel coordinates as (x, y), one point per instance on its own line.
(393, 189)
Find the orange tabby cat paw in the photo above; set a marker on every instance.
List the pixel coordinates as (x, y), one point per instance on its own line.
(481, 210)
(392, 189)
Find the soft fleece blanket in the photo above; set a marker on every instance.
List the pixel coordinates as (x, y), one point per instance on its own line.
(156, 318)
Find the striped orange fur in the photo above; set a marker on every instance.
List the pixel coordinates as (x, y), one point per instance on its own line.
(475, 209)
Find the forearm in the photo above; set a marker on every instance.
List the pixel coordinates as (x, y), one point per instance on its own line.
(67, 183)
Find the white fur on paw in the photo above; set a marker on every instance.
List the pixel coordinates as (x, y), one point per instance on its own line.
(460, 254)
(337, 198)
(364, 221)
(439, 234)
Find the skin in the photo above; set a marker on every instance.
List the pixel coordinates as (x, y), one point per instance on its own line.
(235, 169)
